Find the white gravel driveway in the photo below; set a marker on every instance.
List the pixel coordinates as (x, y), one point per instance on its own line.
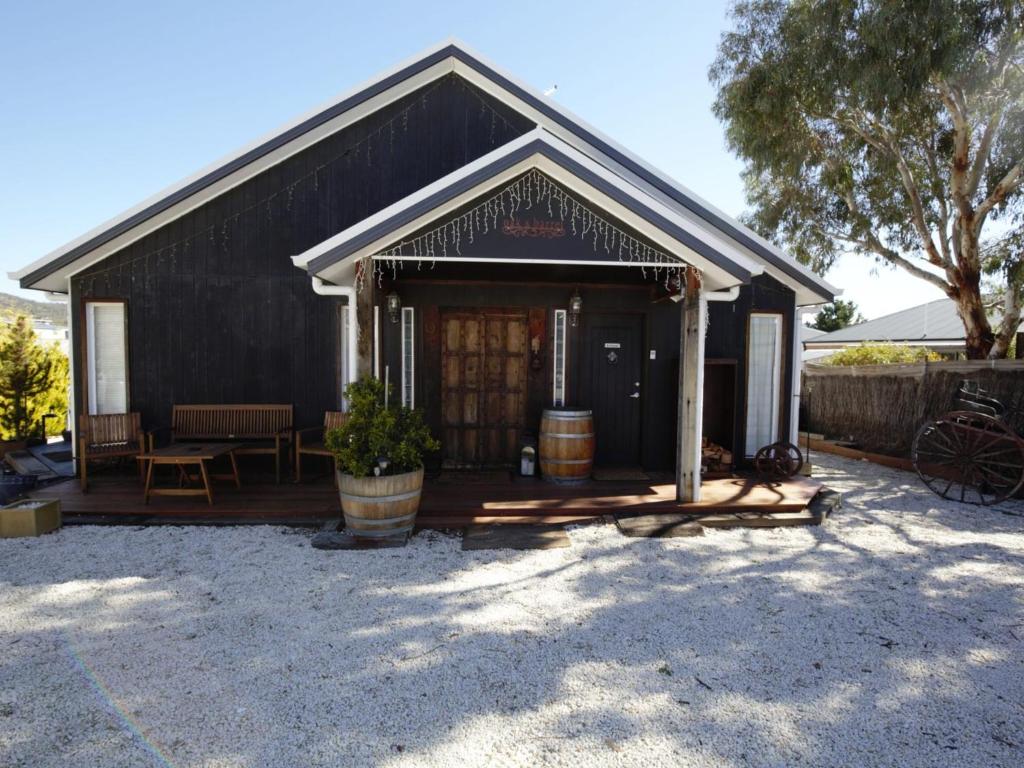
(891, 636)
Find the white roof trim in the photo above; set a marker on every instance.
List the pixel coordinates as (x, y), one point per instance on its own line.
(717, 277)
(56, 279)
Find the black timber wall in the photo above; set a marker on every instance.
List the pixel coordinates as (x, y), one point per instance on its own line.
(217, 312)
(727, 341)
(536, 287)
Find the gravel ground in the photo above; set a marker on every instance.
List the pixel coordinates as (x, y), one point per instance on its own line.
(891, 636)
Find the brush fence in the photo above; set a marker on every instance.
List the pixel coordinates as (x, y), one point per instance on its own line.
(881, 407)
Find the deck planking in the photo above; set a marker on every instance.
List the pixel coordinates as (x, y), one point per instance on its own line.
(725, 501)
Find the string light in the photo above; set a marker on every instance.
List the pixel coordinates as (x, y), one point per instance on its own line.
(524, 193)
(222, 226)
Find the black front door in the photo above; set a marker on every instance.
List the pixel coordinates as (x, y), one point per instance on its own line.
(610, 384)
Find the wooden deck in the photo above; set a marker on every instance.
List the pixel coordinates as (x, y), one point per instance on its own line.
(445, 503)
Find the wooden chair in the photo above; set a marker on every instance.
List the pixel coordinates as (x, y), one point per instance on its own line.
(310, 441)
(109, 436)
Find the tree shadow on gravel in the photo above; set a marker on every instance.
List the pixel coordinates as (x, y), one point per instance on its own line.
(889, 636)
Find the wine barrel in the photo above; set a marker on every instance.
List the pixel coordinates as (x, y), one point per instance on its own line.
(378, 507)
(566, 445)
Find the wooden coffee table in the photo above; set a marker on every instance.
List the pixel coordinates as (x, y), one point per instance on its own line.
(184, 455)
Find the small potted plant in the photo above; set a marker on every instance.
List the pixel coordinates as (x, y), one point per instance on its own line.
(379, 456)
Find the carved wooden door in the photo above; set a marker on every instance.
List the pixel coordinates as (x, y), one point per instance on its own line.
(483, 389)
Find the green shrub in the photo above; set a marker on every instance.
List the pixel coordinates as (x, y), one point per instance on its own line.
(372, 431)
(880, 354)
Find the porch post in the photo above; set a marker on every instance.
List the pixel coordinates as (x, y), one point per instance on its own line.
(363, 316)
(691, 390)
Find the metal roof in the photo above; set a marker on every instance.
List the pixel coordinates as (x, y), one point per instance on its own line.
(807, 332)
(935, 321)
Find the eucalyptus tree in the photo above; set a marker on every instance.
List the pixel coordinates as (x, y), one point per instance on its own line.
(893, 129)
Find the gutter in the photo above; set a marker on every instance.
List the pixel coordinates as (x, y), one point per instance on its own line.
(730, 294)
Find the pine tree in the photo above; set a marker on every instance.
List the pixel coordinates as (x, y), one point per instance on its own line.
(33, 379)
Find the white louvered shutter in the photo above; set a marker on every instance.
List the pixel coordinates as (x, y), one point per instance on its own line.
(107, 358)
(764, 373)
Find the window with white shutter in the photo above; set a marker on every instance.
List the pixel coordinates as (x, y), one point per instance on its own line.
(558, 360)
(764, 379)
(343, 373)
(408, 358)
(106, 356)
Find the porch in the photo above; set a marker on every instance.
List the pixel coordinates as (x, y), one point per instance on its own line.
(448, 502)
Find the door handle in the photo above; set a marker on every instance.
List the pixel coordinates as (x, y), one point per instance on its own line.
(635, 395)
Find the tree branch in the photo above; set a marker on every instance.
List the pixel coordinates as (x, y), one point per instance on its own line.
(984, 148)
(917, 208)
(874, 244)
(961, 151)
(1010, 322)
(887, 144)
(1011, 181)
(938, 192)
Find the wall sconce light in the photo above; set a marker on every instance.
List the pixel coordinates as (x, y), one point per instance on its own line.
(394, 306)
(575, 307)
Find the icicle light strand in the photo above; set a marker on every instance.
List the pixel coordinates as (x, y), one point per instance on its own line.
(220, 229)
(531, 189)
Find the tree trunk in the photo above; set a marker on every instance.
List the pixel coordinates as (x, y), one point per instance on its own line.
(978, 333)
(1008, 327)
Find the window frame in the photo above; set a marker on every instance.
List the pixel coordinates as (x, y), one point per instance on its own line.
(777, 380)
(87, 346)
(561, 316)
(408, 345)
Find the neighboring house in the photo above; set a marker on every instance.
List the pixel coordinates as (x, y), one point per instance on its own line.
(807, 333)
(48, 332)
(454, 231)
(935, 326)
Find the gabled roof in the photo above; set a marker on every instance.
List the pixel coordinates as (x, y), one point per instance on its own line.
(52, 270)
(721, 262)
(934, 322)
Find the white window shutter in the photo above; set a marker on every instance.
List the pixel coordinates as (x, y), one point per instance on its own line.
(408, 357)
(107, 357)
(558, 363)
(764, 376)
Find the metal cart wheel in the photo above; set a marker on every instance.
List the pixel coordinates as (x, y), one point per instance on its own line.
(778, 460)
(969, 457)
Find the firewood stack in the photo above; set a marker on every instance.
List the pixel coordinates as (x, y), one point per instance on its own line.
(714, 458)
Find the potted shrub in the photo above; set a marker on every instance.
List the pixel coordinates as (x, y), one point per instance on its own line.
(379, 454)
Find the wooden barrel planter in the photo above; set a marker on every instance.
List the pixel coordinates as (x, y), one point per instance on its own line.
(566, 445)
(379, 507)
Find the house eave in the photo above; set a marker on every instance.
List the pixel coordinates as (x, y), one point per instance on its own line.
(449, 56)
(722, 265)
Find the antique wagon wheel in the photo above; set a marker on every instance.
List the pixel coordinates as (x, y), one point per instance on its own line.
(969, 457)
(779, 460)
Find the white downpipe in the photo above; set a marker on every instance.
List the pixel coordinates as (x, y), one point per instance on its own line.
(73, 353)
(324, 289)
(796, 375)
(730, 294)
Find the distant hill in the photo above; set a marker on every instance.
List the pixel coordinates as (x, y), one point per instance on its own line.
(43, 310)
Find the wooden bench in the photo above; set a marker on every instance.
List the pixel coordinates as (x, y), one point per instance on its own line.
(262, 429)
(108, 436)
(310, 442)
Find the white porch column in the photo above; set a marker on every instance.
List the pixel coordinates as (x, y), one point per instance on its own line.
(691, 390)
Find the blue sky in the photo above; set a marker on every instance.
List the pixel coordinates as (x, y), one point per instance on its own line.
(102, 104)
